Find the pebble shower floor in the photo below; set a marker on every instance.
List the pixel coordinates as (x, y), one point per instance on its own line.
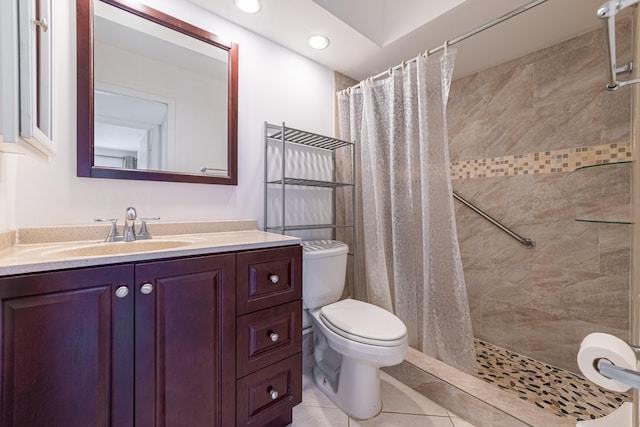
(553, 389)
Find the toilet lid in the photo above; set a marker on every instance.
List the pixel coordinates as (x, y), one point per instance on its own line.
(363, 322)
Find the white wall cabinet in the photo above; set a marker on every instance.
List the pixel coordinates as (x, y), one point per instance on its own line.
(26, 76)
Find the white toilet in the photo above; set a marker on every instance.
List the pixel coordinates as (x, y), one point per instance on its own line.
(352, 339)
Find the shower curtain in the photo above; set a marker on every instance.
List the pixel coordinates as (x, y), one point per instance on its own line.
(409, 259)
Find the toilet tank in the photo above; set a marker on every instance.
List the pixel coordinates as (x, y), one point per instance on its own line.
(324, 268)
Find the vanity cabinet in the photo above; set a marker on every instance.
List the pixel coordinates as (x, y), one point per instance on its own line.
(152, 343)
(184, 342)
(269, 343)
(67, 348)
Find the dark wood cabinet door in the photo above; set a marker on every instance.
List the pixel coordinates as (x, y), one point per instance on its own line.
(185, 342)
(67, 348)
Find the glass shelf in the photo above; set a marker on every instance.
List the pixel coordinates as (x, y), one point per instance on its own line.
(602, 221)
(602, 164)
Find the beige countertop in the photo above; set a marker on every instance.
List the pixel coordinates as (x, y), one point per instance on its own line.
(42, 248)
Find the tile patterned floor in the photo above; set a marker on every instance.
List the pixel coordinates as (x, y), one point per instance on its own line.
(563, 392)
(401, 407)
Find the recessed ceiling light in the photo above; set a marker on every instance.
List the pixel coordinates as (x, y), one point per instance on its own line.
(249, 6)
(318, 42)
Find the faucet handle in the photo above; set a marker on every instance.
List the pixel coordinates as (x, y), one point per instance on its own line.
(144, 232)
(113, 232)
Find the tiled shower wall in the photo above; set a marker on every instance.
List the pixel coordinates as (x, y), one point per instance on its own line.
(517, 132)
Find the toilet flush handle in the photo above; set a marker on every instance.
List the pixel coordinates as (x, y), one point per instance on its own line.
(274, 278)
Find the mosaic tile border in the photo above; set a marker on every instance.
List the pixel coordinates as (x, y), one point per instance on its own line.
(566, 160)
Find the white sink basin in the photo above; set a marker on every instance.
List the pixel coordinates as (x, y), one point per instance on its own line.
(118, 248)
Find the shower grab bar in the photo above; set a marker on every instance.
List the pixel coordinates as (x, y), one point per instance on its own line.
(523, 240)
(617, 373)
(608, 12)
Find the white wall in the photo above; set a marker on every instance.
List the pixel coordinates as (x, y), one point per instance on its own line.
(275, 84)
(8, 164)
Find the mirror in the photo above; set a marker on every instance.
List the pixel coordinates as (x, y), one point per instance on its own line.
(157, 97)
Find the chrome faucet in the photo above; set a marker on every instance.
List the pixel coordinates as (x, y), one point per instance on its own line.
(129, 227)
(129, 230)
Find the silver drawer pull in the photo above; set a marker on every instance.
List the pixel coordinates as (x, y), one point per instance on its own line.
(274, 394)
(122, 291)
(274, 337)
(146, 288)
(274, 278)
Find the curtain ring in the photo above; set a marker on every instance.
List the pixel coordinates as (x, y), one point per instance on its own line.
(390, 71)
(446, 46)
(404, 64)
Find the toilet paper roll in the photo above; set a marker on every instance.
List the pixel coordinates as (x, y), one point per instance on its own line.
(597, 346)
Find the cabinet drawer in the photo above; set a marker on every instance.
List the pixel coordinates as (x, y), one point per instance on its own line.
(268, 277)
(269, 393)
(267, 336)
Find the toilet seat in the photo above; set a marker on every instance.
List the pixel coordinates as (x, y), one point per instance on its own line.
(364, 323)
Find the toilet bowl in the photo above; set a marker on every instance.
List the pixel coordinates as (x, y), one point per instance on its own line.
(352, 339)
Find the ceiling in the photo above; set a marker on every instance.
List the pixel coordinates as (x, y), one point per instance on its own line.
(369, 36)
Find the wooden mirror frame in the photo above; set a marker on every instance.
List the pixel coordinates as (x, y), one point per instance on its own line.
(85, 97)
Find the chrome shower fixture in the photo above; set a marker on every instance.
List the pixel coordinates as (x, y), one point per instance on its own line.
(608, 12)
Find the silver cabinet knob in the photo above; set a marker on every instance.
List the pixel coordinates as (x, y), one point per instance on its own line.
(122, 291)
(274, 394)
(274, 278)
(146, 288)
(274, 337)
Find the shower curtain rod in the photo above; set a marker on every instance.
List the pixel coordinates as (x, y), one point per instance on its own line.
(458, 39)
